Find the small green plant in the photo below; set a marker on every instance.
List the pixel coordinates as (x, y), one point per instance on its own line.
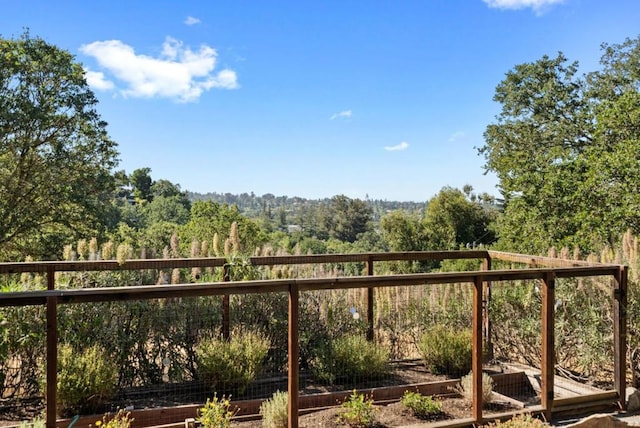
(466, 387)
(422, 406)
(86, 380)
(446, 351)
(274, 411)
(216, 413)
(350, 358)
(231, 365)
(519, 421)
(122, 419)
(358, 411)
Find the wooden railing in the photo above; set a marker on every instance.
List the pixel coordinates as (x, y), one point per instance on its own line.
(545, 269)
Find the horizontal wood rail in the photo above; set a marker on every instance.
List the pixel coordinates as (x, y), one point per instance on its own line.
(545, 269)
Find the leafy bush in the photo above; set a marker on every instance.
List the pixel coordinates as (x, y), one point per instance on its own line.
(358, 411)
(446, 351)
(216, 413)
(86, 380)
(466, 387)
(122, 419)
(519, 421)
(231, 365)
(350, 358)
(422, 406)
(275, 411)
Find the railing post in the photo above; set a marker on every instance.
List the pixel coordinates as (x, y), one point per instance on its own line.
(294, 353)
(52, 352)
(486, 265)
(226, 277)
(370, 296)
(476, 338)
(620, 334)
(548, 343)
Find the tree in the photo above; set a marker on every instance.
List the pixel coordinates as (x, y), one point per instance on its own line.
(55, 155)
(348, 218)
(142, 182)
(452, 219)
(565, 149)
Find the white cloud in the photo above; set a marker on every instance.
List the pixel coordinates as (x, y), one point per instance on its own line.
(191, 20)
(178, 73)
(96, 80)
(456, 136)
(398, 147)
(342, 115)
(537, 5)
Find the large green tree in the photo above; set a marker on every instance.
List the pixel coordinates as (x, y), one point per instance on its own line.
(56, 159)
(565, 149)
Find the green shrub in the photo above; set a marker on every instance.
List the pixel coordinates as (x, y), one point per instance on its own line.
(466, 387)
(422, 406)
(358, 411)
(350, 358)
(231, 365)
(519, 421)
(216, 413)
(86, 380)
(275, 411)
(446, 351)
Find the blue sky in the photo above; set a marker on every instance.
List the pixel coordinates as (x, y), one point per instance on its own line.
(385, 99)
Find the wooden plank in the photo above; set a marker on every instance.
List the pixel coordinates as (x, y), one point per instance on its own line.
(52, 353)
(140, 264)
(294, 354)
(548, 344)
(476, 361)
(270, 286)
(620, 334)
(538, 260)
(370, 302)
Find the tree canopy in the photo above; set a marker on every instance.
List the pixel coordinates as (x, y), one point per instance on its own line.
(56, 158)
(566, 149)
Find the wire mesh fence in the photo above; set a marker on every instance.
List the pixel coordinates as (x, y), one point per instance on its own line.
(223, 330)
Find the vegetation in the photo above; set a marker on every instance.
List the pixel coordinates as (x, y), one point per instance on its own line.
(275, 411)
(422, 406)
(358, 411)
(230, 365)
(519, 421)
(86, 379)
(466, 387)
(578, 131)
(349, 359)
(446, 351)
(580, 201)
(49, 123)
(122, 419)
(216, 413)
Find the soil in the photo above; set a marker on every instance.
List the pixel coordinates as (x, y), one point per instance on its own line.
(390, 415)
(387, 415)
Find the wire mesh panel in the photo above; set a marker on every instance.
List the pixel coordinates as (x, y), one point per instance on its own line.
(22, 362)
(513, 346)
(583, 312)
